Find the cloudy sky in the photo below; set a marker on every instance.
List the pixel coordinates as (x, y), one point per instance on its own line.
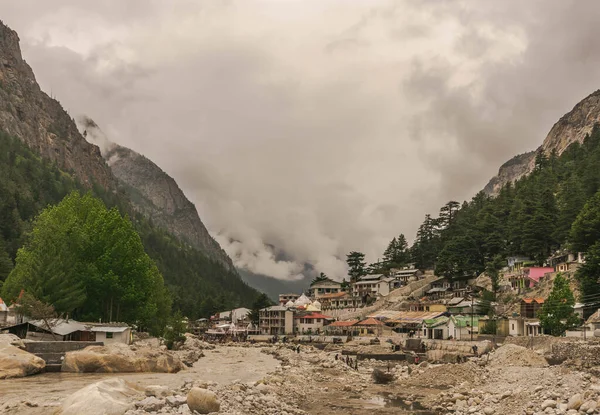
(303, 129)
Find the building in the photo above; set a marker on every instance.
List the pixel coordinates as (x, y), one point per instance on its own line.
(528, 277)
(111, 333)
(566, 261)
(285, 298)
(369, 327)
(531, 306)
(463, 327)
(312, 323)
(593, 322)
(521, 326)
(339, 300)
(498, 326)
(405, 321)
(436, 328)
(276, 320)
(466, 306)
(426, 306)
(322, 288)
(371, 287)
(404, 276)
(56, 330)
(341, 328)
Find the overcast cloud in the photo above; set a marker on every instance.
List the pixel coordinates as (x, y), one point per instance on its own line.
(306, 129)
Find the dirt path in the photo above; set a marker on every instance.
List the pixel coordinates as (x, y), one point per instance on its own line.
(222, 365)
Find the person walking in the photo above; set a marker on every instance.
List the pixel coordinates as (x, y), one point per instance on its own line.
(475, 350)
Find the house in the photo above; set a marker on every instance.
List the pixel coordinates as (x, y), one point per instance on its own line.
(530, 307)
(58, 330)
(322, 288)
(426, 306)
(341, 328)
(405, 321)
(528, 277)
(436, 328)
(339, 301)
(406, 275)
(460, 288)
(466, 306)
(566, 261)
(516, 262)
(285, 298)
(369, 327)
(311, 323)
(240, 316)
(463, 327)
(111, 333)
(276, 320)
(371, 287)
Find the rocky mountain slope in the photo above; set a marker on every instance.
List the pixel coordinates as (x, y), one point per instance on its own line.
(155, 194)
(40, 121)
(571, 128)
(198, 273)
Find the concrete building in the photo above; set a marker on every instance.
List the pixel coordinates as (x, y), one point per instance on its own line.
(463, 327)
(531, 306)
(371, 287)
(112, 333)
(322, 288)
(339, 300)
(312, 323)
(276, 320)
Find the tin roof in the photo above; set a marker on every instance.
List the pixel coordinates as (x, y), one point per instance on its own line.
(60, 326)
(343, 323)
(370, 322)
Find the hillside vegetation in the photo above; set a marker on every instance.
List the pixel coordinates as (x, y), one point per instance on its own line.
(197, 285)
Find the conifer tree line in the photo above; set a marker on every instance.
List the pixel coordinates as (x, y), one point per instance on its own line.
(91, 257)
(556, 206)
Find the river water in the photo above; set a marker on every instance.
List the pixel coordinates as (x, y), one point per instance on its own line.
(223, 365)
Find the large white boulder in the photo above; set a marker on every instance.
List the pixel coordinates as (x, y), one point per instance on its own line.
(203, 401)
(16, 363)
(118, 357)
(108, 397)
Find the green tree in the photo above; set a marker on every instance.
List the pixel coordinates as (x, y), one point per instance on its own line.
(396, 253)
(175, 331)
(585, 231)
(356, 265)
(88, 261)
(557, 314)
(262, 301)
(492, 269)
(588, 277)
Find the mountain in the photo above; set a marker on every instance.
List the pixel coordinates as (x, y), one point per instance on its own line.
(155, 194)
(572, 127)
(272, 286)
(57, 158)
(40, 121)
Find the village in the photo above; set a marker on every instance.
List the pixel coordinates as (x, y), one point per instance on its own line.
(407, 341)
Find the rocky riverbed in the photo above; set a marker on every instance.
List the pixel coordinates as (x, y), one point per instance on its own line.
(276, 380)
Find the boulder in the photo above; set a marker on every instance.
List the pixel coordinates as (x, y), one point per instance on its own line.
(108, 397)
(588, 407)
(176, 400)
(157, 390)
(548, 403)
(118, 357)
(203, 401)
(575, 401)
(16, 363)
(150, 404)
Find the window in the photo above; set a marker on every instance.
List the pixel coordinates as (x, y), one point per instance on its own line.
(318, 320)
(513, 326)
(109, 335)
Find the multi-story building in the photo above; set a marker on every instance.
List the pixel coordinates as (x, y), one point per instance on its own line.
(285, 298)
(276, 320)
(322, 288)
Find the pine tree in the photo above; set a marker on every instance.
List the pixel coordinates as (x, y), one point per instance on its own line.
(588, 276)
(356, 265)
(585, 231)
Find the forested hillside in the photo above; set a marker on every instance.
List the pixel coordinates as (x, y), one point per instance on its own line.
(28, 183)
(557, 205)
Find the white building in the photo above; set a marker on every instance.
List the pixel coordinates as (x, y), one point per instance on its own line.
(112, 333)
(312, 323)
(276, 320)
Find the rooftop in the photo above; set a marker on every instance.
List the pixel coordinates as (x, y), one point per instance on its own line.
(370, 322)
(334, 295)
(343, 323)
(316, 316)
(531, 300)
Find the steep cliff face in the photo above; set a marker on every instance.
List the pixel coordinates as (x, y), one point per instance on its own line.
(155, 194)
(40, 121)
(571, 128)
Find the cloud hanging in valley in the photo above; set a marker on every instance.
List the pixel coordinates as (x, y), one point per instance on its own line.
(305, 129)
